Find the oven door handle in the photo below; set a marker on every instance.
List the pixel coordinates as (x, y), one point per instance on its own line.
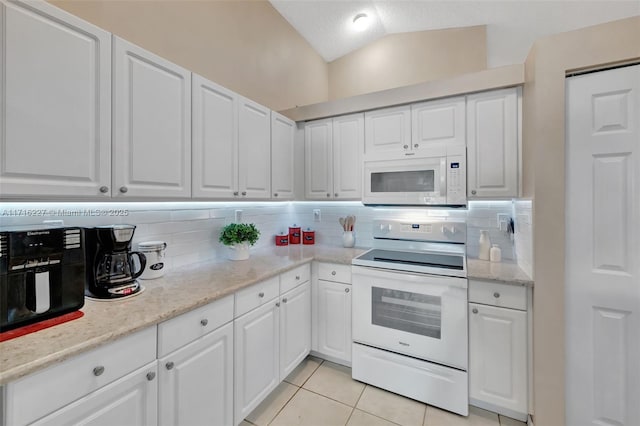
(432, 280)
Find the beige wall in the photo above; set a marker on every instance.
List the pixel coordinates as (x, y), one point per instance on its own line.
(244, 45)
(544, 149)
(402, 59)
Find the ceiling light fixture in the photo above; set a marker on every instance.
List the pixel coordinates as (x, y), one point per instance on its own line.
(361, 21)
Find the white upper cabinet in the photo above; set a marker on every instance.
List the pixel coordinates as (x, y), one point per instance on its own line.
(282, 160)
(55, 103)
(215, 140)
(348, 144)
(254, 142)
(387, 133)
(492, 144)
(152, 124)
(318, 152)
(333, 158)
(437, 124)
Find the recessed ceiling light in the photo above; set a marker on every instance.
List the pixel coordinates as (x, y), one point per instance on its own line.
(361, 21)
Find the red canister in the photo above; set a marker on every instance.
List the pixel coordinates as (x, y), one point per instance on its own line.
(308, 236)
(294, 234)
(282, 240)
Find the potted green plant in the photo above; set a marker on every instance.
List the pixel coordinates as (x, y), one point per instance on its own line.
(238, 237)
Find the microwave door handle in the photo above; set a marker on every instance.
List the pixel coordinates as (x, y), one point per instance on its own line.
(443, 177)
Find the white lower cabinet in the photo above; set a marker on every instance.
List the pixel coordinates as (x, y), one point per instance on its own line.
(196, 382)
(131, 400)
(295, 328)
(498, 357)
(332, 312)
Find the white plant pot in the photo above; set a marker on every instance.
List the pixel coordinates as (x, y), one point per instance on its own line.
(238, 251)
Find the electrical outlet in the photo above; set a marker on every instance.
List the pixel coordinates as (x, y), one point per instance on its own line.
(316, 215)
(238, 216)
(503, 221)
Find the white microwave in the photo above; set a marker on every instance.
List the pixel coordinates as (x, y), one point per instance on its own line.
(431, 181)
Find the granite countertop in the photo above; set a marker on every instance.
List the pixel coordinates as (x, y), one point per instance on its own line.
(179, 291)
(505, 272)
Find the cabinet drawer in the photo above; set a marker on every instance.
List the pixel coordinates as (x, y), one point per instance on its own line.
(496, 294)
(188, 327)
(334, 272)
(254, 296)
(41, 393)
(291, 279)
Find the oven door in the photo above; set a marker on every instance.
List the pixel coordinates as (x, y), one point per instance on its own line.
(420, 181)
(422, 316)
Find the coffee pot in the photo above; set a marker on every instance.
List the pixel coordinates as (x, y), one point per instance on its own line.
(114, 268)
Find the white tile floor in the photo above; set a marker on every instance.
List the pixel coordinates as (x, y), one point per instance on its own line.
(321, 393)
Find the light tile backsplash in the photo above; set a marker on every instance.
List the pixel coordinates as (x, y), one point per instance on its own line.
(191, 229)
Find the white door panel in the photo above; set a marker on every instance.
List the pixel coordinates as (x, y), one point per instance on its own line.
(348, 145)
(282, 159)
(318, 167)
(603, 247)
(254, 141)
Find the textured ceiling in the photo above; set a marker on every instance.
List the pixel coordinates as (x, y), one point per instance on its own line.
(512, 25)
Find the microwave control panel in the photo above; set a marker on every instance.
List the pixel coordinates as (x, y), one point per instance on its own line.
(456, 180)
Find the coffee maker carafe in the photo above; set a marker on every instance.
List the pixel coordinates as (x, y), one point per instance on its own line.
(113, 272)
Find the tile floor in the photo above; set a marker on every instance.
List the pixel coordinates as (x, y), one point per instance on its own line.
(321, 393)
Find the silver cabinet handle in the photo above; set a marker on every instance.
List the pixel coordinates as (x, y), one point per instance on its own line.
(406, 147)
(104, 189)
(204, 322)
(124, 189)
(496, 295)
(235, 192)
(169, 365)
(151, 375)
(474, 310)
(473, 192)
(261, 294)
(275, 194)
(97, 371)
(244, 193)
(328, 195)
(278, 304)
(335, 195)
(416, 146)
(333, 272)
(346, 290)
(297, 277)
(284, 300)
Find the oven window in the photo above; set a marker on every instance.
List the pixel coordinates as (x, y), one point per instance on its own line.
(412, 181)
(410, 312)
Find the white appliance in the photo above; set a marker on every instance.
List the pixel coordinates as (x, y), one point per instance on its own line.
(436, 181)
(410, 330)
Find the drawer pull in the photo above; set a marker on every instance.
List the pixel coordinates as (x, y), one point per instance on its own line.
(151, 375)
(333, 273)
(98, 371)
(104, 189)
(235, 192)
(204, 322)
(473, 192)
(284, 300)
(474, 310)
(496, 295)
(169, 365)
(346, 290)
(278, 304)
(261, 294)
(297, 277)
(124, 189)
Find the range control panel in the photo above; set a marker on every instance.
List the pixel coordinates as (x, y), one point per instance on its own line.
(423, 230)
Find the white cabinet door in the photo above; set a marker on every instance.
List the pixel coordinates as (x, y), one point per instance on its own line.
(131, 400)
(437, 124)
(55, 103)
(498, 358)
(196, 382)
(254, 141)
(492, 144)
(152, 124)
(348, 145)
(256, 357)
(295, 328)
(387, 133)
(318, 166)
(282, 156)
(215, 140)
(334, 320)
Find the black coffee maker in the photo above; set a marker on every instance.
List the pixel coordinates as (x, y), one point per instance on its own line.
(112, 271)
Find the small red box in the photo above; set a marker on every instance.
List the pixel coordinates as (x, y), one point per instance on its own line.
(282, 240)
(308, 236)
(294, 234)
